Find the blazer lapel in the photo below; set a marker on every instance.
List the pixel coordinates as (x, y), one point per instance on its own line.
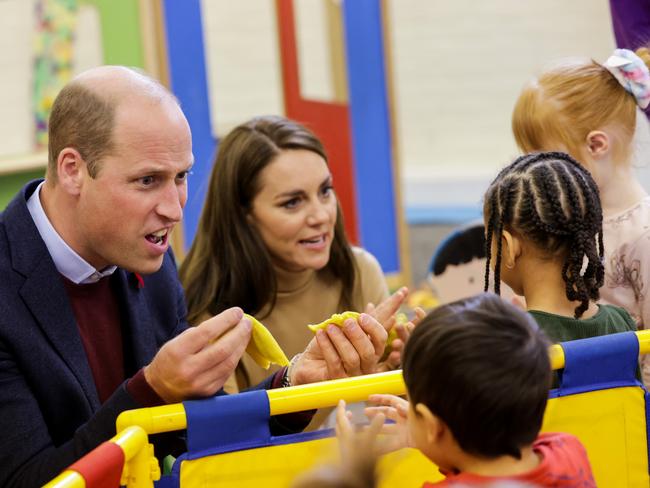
(43, 292)
(139, 337)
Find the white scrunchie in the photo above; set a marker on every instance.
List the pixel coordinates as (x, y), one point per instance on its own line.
(632, 73)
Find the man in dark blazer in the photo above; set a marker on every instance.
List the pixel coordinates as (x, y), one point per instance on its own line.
(92, 315)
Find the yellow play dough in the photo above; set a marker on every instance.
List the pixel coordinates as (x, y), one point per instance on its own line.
(339, 318)
(263, 347)
(336, 319)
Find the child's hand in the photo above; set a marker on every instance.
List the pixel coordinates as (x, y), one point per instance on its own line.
(393, 408)
(358, 457)
(352, 442)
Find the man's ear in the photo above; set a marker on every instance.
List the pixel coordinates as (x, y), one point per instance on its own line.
(435, 428)
(598, 144)
(71, 170)
(510, 249)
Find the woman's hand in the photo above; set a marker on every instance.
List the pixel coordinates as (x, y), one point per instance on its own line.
(339, 352)
(386, 310)
(399, 338)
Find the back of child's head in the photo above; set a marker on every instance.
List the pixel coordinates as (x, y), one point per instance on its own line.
(552, 202)
(482, 367)
(559, 108)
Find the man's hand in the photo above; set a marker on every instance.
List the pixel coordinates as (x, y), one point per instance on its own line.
(199, 361)
(338, 352)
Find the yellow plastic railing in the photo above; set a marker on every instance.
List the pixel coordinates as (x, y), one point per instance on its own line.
(140, 466)
(67, 479)
(282, 400)
(139, 471)
(557, 353)
(316, 395)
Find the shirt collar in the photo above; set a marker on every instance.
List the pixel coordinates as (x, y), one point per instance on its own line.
(66, 260)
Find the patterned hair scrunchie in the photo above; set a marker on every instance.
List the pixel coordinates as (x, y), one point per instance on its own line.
(632, 73)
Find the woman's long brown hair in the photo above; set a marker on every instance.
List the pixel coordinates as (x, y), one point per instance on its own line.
(228, 264)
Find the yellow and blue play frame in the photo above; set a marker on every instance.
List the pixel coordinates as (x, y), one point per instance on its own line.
(599, 399)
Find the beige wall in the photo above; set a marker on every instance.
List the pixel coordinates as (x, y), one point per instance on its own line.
(458, 68)
(15, 65)
(242, 61)
(17, 46)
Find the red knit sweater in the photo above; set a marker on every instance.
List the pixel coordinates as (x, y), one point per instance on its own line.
(97, 312)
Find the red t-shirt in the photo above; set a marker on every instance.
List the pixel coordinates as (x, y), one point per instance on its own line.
(564, 464)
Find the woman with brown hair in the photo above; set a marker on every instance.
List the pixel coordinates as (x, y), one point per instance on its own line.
(271, 240)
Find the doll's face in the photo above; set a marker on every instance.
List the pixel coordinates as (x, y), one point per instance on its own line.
(459, 281)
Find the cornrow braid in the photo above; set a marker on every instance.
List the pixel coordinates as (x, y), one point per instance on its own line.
(488, 242)
(551, 200)
(504, 217)
(496, 209)
(596, 273)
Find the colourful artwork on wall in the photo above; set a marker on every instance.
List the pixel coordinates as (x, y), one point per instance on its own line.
(55, 24)
(46, 42)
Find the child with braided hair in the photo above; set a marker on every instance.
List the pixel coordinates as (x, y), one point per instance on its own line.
(544, 235)
(589, 110)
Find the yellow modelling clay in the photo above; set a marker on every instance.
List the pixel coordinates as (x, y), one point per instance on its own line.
(336, 319)
(263, 347)
(339, 318)
(400, 318)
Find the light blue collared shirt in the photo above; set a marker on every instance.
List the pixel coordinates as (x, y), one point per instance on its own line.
(66, 260)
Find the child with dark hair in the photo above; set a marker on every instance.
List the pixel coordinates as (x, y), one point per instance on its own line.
(544, 234)
(477, 372)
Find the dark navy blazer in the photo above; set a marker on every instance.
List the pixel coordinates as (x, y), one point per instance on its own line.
(50, 414)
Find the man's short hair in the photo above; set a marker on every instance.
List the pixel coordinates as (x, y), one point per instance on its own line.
(83, 114)
(82, 119)
(482, 367)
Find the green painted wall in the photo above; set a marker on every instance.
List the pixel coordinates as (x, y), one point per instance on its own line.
(122, 42)
(10, 184)
(120, 21)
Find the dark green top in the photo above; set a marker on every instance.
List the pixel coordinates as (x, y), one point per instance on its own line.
(608, 320)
